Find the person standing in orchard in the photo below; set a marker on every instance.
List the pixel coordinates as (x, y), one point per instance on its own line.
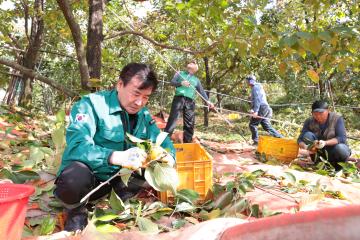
(261, 112)
(186, 87)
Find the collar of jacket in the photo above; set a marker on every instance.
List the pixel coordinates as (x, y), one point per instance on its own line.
(113, 102)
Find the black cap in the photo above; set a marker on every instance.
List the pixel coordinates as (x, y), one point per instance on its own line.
(319, 106)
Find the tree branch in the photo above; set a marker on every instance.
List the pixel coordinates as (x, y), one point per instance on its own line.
(32, 74)
(186, 50)
(43, 51)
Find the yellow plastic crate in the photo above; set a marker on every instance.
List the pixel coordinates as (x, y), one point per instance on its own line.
(194, 168)
(233, 116)
(284, 150)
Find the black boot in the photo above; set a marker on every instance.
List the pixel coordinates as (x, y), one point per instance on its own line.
(77, 219)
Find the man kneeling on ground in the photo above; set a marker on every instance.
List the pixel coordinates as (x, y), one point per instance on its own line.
(96, 145)
(327, 131)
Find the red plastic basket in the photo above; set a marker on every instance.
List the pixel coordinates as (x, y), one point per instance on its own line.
(13, 204)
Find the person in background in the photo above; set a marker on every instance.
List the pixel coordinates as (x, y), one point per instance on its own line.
(325, 130)
(97, 147)
(261, 112)
(186, 84)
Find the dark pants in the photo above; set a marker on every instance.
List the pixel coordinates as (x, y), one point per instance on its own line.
(77, 180)
(264, 111)
(187, 107)
(335, 154)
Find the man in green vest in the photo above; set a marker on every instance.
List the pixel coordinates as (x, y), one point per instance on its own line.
(327, 131)
(96, 145)
(187, 85)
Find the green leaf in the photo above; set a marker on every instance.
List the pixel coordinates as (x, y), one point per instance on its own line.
(58, 137)
(107, 228)
(243, 46)
(55, 204)
(237, 207)
(290, 177)
(224, 200)
(47, 226)
(115, 202)
(230, 186)
(166, 177)
(188, 195)
(290, 41)
(322, 172)
(258, 173)
(107, 217)
(255, 210)
(247, 184)
(149, 176)
(60, 116)
(36, 155)
(6, 174)
(326, 36)
(26, 175)
(211, 215)
(147, 226)
(315, 46)
(305, 35)
(178, 223)
(184, 207)
(348, 167)
(125, 175)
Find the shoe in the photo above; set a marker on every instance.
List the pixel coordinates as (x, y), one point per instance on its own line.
(77, 219)
(255, 144)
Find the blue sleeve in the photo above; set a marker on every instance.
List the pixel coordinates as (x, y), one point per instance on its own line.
(340, 131)
(175, 80)
(201, 90)
(255, 98)
(303, 131)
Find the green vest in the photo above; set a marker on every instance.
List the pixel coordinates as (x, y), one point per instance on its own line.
(96, 130)
(186, 91)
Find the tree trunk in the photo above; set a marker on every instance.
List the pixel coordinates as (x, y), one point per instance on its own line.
(79, 46)
(207, 86)
(32, 53)
(95, 38)
(219, 99)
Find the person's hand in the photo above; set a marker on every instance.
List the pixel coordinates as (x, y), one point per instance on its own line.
(169, 160)
(185, 83)
(254, 115)
(320, 144)
(133, 158)
(211, 106)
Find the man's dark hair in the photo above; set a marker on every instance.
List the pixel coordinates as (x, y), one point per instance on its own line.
(143, 72)
(319, 106)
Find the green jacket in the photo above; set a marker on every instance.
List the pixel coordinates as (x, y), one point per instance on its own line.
(96, 130)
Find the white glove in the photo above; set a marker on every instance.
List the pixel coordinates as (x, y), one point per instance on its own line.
(133, 158)
(320, 144)
(169, 160)
(185, 83)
